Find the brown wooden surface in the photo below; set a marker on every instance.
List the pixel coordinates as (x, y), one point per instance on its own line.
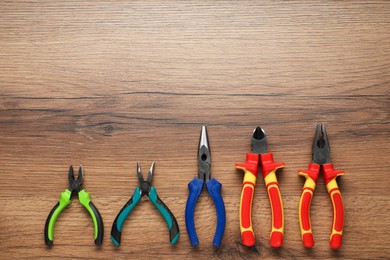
(107, 83)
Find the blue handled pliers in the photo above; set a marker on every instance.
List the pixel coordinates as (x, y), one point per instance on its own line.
(214, 189)
(145, 188)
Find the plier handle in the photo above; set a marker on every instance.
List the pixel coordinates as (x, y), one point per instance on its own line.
(214, 189)
(321, 159)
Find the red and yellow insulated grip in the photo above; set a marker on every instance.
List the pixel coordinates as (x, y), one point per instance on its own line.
(330, 175)
(250, 168)
(269, 167)
(311, 176)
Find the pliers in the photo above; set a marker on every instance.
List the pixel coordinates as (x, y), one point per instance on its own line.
(260, 161)
(321, 157)
(145, 188)
(214, 189)
(66, 199)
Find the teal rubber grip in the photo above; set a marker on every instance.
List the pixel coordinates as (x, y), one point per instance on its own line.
(174, 232)
(116, 230)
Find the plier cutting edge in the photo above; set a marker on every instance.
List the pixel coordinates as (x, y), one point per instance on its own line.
(145, 188)
(260, 161)
(214, 189)
(321, 157)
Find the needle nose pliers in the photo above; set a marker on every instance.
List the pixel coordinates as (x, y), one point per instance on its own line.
(321, 158)
(66, 199)
(260, 161)
(145, 188)
(214, 189)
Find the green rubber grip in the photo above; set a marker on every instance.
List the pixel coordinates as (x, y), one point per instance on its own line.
(53, 215)
(85, 200)
(173, 227)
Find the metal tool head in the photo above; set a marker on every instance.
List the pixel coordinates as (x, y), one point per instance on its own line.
(150, 175)
(321, 148)
(75, 184)
(145, 185)
(259, 141)
(204, 157)
(139, 174)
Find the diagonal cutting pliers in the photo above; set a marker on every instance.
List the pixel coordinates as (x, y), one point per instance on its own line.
(66, 199)
(214, 189)
(260, 161)
(321, 159)
(145, 188)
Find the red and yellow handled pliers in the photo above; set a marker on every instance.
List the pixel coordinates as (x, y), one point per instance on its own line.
(260, 161)
(321, 157)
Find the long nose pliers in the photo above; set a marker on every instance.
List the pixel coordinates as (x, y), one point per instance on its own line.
(321, 159)
(145, 188)
(260, 161)
(66, 199)
(214, 188)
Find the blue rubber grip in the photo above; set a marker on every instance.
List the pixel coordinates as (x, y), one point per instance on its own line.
(214, 188)
(195, 187)
(173, 227)
(116, 230)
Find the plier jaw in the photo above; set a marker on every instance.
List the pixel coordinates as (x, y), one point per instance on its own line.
(204, 157)
(259, 141)
(320, 148)
(145, 186)
(75, 184)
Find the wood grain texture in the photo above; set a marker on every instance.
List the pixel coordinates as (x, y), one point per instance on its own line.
(107, 83)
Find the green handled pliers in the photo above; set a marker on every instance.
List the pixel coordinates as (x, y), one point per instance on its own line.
(66, 199)
(145, 189)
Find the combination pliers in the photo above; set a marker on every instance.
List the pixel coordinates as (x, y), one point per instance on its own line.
(145, 188)
(214, 188)
(321, 159)
(66, 199)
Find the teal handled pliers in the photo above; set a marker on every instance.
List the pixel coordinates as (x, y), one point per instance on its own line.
(66, 199)
(145, 188)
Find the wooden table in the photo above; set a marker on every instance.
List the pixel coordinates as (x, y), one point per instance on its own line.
(108, 83)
